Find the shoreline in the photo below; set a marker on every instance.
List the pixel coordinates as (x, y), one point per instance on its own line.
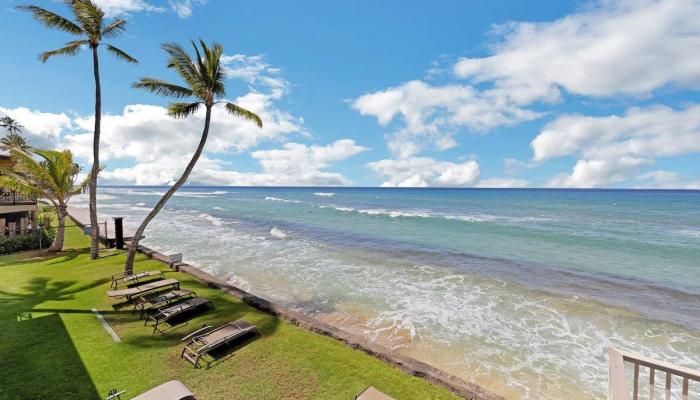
(406, 364)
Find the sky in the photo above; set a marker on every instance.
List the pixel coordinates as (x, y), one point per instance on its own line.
(543, 93)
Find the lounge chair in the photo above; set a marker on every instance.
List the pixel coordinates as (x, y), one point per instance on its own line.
(159, 299)
(171, 390)
(207, 339)
(164, 314)
(136, 278)
(139, 290)
(371, 393)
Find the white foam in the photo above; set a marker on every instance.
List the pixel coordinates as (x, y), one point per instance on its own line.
(278, 233)
(214, 220)
(324, 194)
(270, 198)
(218, 208)
(395, 213)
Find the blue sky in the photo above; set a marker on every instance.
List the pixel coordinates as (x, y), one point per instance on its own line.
(500, 93)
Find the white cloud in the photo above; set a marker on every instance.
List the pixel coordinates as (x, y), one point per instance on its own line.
(113, 8)
(295, 164)
(629, 47)
(503, 183)
(425, 172)
(662, 179)
(41, 129)
(431, 115)
(612, 149)
(184, 8)
(256, 72)
(116, 8)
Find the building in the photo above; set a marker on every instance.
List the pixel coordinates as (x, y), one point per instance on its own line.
(17, 212)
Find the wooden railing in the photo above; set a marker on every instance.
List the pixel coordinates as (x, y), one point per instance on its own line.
(10, 197)
(617, 375)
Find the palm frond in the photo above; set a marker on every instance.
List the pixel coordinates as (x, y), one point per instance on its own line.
(182, 110)
(162, 88)
(21, 184)
(70, 49)
(121, 54)
(89, 15)
(243, 113)
(114, 29)
(51, 20)
(180, 60)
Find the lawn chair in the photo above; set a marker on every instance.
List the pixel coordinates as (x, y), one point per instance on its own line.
(371, 393)
(164, 314)
(160, 299)
(140, 290)
(207, 339)
(171, 390)
(140, 277)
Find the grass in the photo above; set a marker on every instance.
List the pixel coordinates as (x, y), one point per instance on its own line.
(52, 345)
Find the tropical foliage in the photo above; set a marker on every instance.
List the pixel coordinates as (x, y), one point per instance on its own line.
(91, 27)
(14, 140)
(11, 125)
(52, 177)
(204, 87)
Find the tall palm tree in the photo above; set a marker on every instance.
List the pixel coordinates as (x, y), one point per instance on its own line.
(11, 124)
(14, 140)
(90, 25)
(52, 178)
(204, 84)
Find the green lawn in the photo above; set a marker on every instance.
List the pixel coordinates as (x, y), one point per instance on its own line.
(53, 346)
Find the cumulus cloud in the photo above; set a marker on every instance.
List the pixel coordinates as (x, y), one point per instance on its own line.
(615, 47)
(41, 129)
(613, 149)
(295, 164)
(425, 172)
(431, 115)
(663, 179)
(503, 183)
(115, 8)
(184, 8)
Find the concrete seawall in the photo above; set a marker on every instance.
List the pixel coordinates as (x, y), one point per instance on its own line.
(405, 363)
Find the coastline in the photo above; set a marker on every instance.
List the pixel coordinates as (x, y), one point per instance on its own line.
(407, 364)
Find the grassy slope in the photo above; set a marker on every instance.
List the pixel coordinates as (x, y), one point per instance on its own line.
(52, 346)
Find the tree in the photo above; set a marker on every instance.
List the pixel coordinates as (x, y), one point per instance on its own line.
(204, 83)
(90, 25)
(52, 178)
(11, 125)
(14, 141)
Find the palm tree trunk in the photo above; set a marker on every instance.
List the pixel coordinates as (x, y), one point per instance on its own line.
(94, 244)
(133, 246)
(57, 244)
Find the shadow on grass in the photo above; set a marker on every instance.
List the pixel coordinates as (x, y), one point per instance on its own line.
(38, 291)
(39, 361)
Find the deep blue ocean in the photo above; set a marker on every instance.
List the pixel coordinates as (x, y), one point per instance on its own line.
(519, 289)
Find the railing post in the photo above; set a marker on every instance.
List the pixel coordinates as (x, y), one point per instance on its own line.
(617, 378)
(119, 232)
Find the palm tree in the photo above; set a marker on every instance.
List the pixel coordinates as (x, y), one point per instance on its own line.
(204, 83)
(14, 141)
(52, 178)
(11, 124)
(90, 25)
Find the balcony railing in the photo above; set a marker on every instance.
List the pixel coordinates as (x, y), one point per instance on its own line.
(618, 389)
(9, 197)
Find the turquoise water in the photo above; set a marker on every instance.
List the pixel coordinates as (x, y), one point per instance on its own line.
(519, 290)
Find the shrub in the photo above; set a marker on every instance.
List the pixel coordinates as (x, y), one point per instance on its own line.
(27, 242)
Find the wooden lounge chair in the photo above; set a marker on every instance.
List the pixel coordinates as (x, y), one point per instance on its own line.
(371, 393)
(164, 314)
(171, 390)
(207, 339)
(140, 277)
(160, 299)
(139, 290)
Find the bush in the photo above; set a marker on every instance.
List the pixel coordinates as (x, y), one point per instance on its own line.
(27, 242)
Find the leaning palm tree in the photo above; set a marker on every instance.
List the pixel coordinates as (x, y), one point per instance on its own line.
(14, 140)
(11, 125)
(204, 83)
(52, 178)
(90, 25)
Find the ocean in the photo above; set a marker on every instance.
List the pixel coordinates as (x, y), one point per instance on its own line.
(518, 290)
